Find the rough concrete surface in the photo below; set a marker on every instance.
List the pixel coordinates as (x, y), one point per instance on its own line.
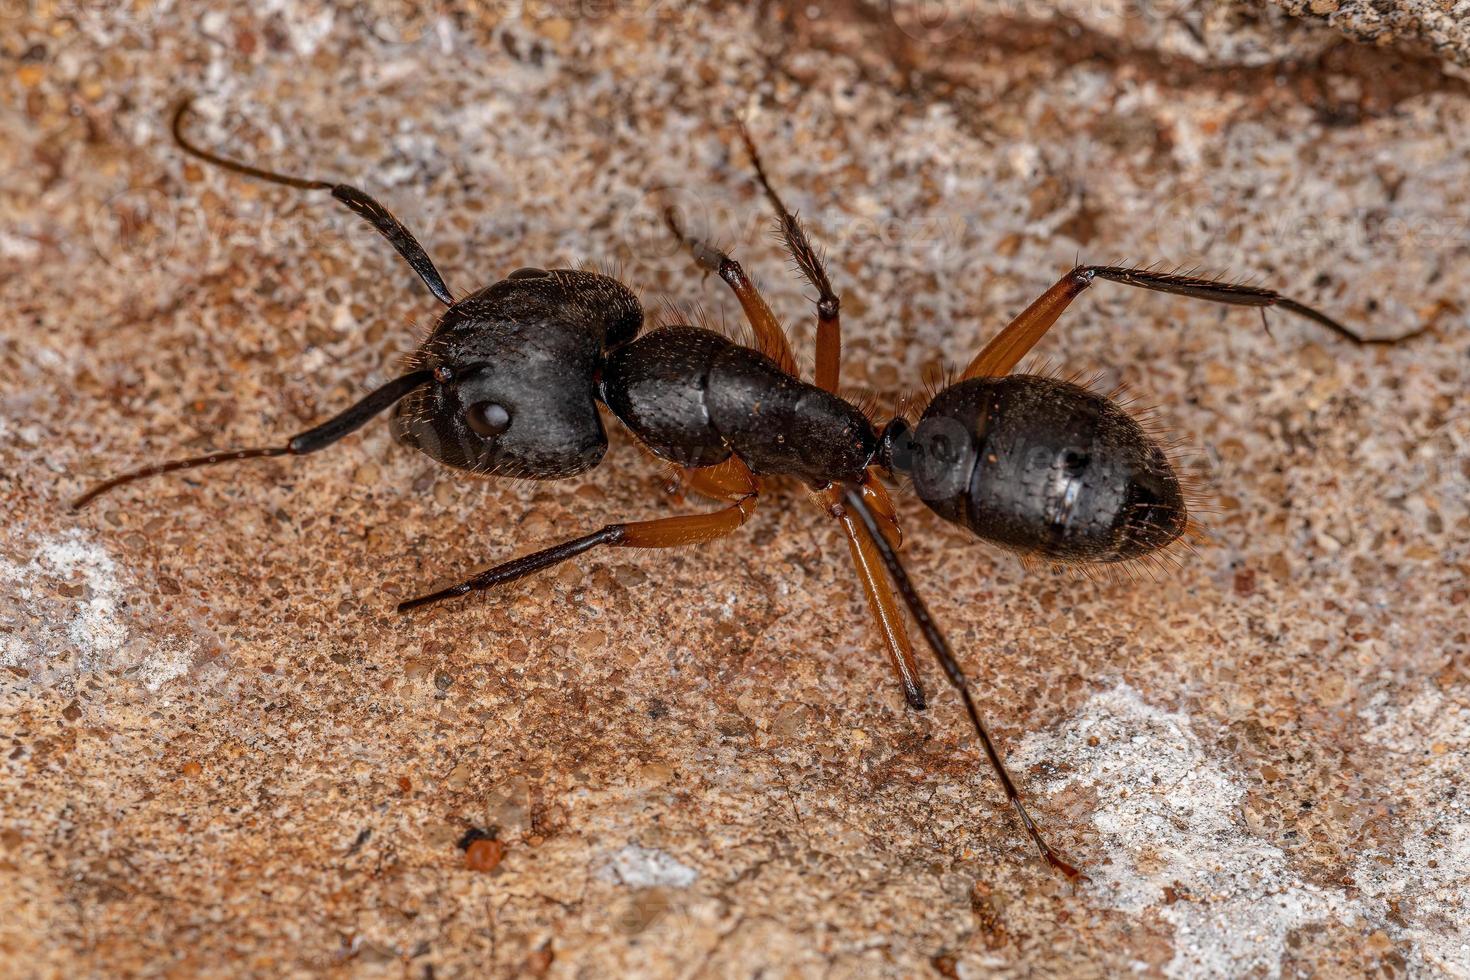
(224, 752)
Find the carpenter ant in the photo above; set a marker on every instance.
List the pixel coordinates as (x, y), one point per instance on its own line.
(510, 381)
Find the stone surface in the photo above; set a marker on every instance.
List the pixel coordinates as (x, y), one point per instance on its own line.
(225, 753)
(1445, 27)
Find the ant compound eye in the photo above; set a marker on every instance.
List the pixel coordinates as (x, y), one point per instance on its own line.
(487, 419)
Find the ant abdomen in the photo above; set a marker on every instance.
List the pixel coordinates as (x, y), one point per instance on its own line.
(1044, 467)
(515, 367)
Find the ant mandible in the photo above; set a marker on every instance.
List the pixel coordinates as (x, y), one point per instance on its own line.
(510, 379)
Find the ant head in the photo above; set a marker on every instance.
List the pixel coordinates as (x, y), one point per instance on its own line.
(502, 420)
(515, 375)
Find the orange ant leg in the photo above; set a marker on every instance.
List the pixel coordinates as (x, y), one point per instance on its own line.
(675, 532)
(879, 593)
(667, 532)
(829, 319)
(770, 338)
(939, 645)
(1007, 348)
(729, 480)
(876, 496)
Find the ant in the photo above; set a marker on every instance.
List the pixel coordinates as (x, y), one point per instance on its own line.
(510, 381)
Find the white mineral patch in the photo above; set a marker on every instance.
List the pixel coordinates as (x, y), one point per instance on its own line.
(306, 31)
(166, 660)
(91, 626)
(1429, 737)
(644, 867)
(17, 247)
(94, 629)
(1170, 815)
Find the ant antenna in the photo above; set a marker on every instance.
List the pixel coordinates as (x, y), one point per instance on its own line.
(945, 655)
(360, 202)
(310, 441)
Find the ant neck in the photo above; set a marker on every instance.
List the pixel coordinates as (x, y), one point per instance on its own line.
(895, 451)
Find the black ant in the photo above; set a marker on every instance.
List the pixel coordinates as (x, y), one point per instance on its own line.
(510, 381)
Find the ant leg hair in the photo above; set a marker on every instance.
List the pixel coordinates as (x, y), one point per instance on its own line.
(945, 655)
(807, 259)
(313, 439)
(667, 532)
(1007, 348)
(770, 338)
(361, 203)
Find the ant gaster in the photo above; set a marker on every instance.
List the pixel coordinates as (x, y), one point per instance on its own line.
(510, 379)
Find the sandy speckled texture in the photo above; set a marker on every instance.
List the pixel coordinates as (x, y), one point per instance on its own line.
(224, 753)
(1443, 27)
